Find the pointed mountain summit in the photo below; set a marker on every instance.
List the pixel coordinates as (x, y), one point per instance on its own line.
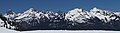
(10, 12)
(29, 13)
(95, 10)
(29, 10)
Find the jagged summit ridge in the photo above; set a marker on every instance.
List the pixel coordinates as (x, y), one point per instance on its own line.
(32, 18)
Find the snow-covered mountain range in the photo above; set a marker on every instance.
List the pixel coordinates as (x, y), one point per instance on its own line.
(75, 19)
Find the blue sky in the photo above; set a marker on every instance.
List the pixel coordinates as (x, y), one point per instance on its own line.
(55, 5)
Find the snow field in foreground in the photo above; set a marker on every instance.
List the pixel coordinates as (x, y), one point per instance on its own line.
(4, 30)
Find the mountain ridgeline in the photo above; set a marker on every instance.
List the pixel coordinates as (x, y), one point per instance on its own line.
(76, 19)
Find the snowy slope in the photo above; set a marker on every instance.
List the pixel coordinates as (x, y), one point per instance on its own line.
(1, 22)
(77, 15)
(104, 15)
(80, 15)
(4, 30)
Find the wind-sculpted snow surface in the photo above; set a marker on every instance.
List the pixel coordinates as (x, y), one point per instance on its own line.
(76, 19)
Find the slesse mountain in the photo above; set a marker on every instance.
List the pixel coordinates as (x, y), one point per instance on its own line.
(76, 19)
